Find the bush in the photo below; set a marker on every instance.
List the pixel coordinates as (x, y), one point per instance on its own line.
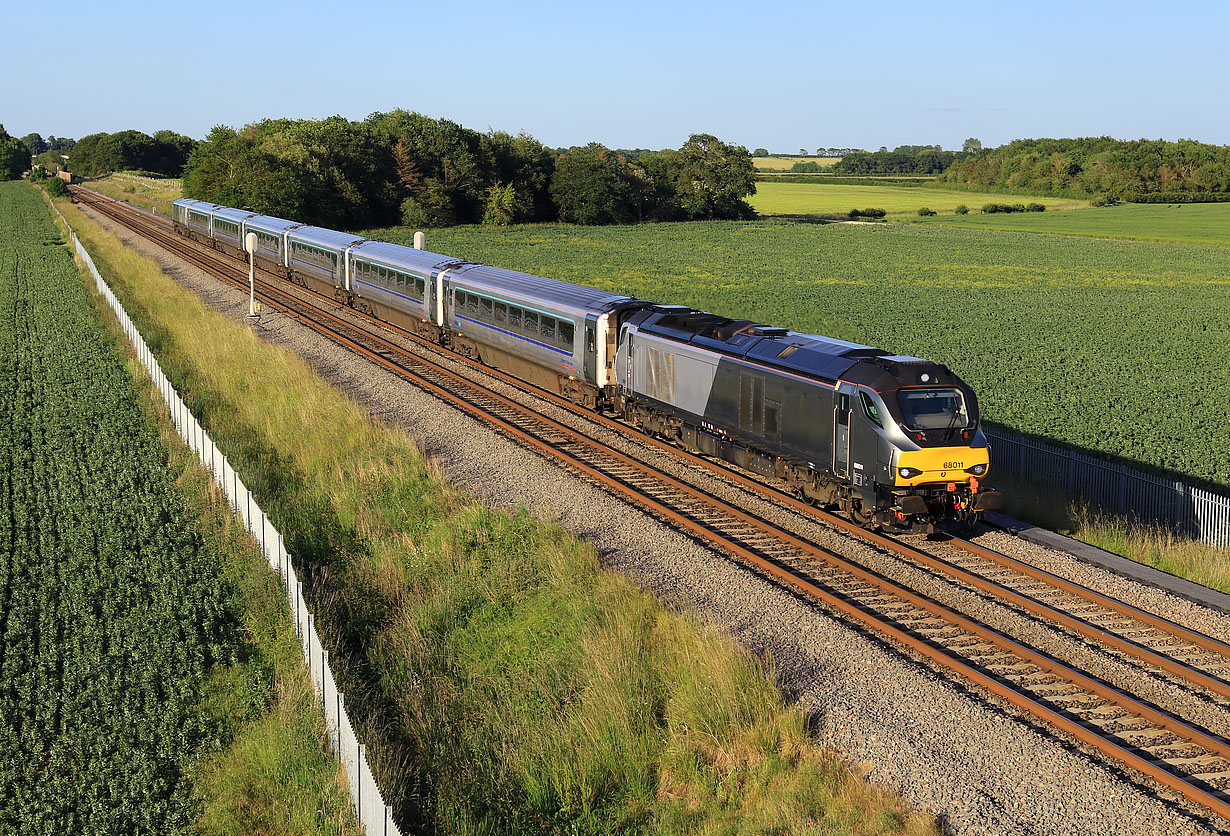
(962, 209)
(809, 167)
(1035, 207)
(925, 212)
(57, 187)
(867, 213)
(1002, 208)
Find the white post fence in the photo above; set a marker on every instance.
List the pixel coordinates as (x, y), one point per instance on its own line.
(374, 816)
(1114, 487)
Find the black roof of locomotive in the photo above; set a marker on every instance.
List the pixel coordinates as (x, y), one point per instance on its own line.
(809, 355)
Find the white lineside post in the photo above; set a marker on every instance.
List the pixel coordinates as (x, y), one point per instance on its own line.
(249, 244)
(419, 240)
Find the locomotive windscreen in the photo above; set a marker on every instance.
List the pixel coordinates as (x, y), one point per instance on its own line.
(932, 409)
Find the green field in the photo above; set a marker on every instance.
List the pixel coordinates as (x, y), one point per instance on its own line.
(1191, 223)
(113, 610)
(824, 199)
(784, 163)
(1116, 346)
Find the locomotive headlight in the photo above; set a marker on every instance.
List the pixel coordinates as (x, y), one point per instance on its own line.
(909, 472)
(977, 469)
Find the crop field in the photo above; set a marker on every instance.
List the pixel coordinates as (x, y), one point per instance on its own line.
(1190, 223)
(1113, 346)
(111, 614)
(784, 163)
(829, 199)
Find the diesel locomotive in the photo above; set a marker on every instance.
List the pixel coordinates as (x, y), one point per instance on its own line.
(891, 440)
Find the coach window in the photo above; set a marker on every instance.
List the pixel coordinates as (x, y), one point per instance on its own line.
(484, 310)
(501, 312)
(514, 316)
(472, 304)
(548, 328)
(869, 406)
(565, 333)
(531, 323)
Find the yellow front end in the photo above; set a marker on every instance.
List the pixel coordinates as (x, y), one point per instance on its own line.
(940, 464)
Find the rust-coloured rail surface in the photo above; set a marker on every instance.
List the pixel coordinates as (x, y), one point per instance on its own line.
(1175, 753)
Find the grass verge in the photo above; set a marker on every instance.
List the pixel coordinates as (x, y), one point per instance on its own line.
(148, 192)
(507, 682)
(1151, 545)
(266, 770)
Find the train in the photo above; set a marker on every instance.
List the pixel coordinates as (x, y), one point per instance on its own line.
(892, 441)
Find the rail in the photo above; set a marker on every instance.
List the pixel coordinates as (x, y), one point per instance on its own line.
(1175, 753)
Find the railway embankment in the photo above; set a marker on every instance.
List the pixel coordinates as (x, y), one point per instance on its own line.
(946, 748)
(512, 683)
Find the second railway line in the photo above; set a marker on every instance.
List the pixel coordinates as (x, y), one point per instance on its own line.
(1205, 658)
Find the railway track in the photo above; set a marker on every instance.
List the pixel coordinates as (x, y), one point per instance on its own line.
(1155, 742)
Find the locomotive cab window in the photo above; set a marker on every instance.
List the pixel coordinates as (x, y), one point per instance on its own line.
(869, 407)
(933, 409)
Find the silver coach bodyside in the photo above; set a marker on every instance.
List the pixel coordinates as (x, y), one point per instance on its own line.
(179, 209)
(398, 278)
(271, 237)
(319, 255)
(198, 219)
(567, 330)
(227, 224)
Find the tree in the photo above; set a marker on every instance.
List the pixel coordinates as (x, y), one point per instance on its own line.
(501, 205)
(971, 146)
(591, 185)
(35, 143)
(761, 152)
(14, 156)
(406, 174)
(802, 152)
(171, 153)
(714, 178)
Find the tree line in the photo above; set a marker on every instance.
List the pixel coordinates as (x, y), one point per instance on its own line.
(1135, 170)
(905, 159)
(165, 153)
(403, 167)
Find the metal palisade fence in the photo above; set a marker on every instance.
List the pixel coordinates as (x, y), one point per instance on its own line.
(374, 816)
(1113, 487)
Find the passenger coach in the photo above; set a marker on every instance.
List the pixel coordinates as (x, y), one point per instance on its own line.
(554, 334)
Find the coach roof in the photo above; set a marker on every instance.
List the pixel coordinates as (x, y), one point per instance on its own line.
(575, 296)
(398, 255)
(328, 238)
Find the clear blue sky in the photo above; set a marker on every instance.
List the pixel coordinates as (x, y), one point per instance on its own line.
(782, 76)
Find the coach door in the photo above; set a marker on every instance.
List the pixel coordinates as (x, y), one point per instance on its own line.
(843, 397)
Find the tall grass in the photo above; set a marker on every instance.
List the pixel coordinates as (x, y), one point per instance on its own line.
(509, 683)
(268, 771)
(1152, 545)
